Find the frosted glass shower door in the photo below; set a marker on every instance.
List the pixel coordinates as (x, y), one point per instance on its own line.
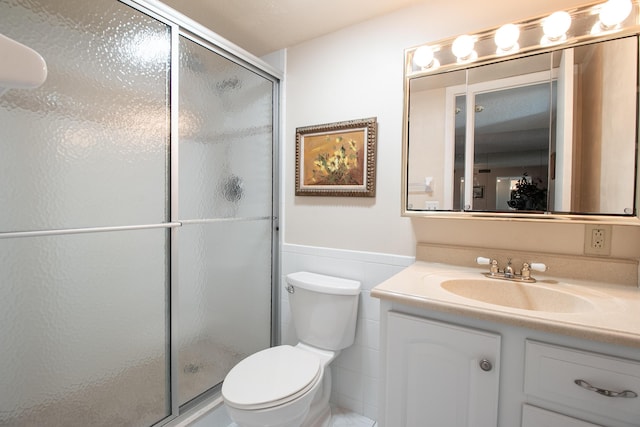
(225, 197)
(84, 234)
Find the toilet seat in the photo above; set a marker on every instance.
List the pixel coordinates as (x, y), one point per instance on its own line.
(271, 377)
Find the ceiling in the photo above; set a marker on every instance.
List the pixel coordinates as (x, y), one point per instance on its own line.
(264, 26)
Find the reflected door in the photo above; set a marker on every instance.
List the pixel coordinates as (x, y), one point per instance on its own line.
(511, 138)
(512, 123)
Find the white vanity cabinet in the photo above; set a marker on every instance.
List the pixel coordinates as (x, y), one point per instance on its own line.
(431, 374)
(439, 374)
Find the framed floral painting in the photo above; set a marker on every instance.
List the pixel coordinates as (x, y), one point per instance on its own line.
(337, 159)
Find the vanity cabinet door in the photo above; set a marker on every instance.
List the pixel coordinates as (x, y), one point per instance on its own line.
(438, 374)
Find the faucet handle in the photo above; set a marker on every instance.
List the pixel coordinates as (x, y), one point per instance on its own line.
(488, 261)
(483, 261)
(538, 266)
(526, 269)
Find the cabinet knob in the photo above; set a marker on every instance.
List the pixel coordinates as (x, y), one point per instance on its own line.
(485, 365)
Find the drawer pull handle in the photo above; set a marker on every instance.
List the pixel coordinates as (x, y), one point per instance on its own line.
(604, 392)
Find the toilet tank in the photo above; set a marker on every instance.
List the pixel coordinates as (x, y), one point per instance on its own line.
(324, 309)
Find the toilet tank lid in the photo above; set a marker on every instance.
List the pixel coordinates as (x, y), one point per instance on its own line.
(324, 284)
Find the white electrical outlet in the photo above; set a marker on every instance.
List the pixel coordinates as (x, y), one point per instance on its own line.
(431, 205)
(597, 239)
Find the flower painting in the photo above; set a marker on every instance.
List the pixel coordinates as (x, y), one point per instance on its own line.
(336, 159)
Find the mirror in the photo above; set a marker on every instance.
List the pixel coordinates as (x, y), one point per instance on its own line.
(549, 133)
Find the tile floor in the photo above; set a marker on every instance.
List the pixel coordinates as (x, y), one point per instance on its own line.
(340, 418)
(343, 418)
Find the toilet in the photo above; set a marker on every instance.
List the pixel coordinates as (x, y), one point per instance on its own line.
(290, 386)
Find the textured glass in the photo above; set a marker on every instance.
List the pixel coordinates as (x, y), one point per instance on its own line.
(84, 330)
(225, 300)
(89, 147)
(226, 137)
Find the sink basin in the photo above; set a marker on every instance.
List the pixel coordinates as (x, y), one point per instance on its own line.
(522, 296)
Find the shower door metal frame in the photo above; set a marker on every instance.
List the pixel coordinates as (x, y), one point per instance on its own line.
(183, 26)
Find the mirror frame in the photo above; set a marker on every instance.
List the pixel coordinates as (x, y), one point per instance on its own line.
(580, 34)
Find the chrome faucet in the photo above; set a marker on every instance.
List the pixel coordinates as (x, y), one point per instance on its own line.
(508, 273)
(508, 270)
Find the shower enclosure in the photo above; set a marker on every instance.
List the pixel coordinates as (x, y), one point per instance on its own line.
(138, 214)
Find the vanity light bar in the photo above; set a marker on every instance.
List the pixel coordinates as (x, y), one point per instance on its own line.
(613, 18)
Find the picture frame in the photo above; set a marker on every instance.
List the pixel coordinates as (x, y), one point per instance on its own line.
(337, 159)
(478, 191)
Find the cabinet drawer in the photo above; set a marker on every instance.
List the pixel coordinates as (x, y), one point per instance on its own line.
(551, 373)
(536, 417)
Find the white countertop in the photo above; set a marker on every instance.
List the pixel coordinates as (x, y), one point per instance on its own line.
(614, 318)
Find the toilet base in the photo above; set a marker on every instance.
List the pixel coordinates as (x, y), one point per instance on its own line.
(323, 419)
(320, 411)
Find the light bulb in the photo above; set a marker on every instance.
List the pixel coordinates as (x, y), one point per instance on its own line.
(556, 25)
(423, 57)
(614, 12)
(506, 38)
(463, 46)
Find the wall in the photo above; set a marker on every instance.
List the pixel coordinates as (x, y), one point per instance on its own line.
(357, 73)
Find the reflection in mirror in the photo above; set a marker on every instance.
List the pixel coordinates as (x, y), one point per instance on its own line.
(429, 161)
(513, 116)
(552, 132)
(604, 131)
(459, 165)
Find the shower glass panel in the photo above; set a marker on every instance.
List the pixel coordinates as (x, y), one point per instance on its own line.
(224, 300)
(72, 148)
(226, 208)
(84, 329)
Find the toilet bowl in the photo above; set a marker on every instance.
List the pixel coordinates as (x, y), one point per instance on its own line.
(274, 387)
(287, 386)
